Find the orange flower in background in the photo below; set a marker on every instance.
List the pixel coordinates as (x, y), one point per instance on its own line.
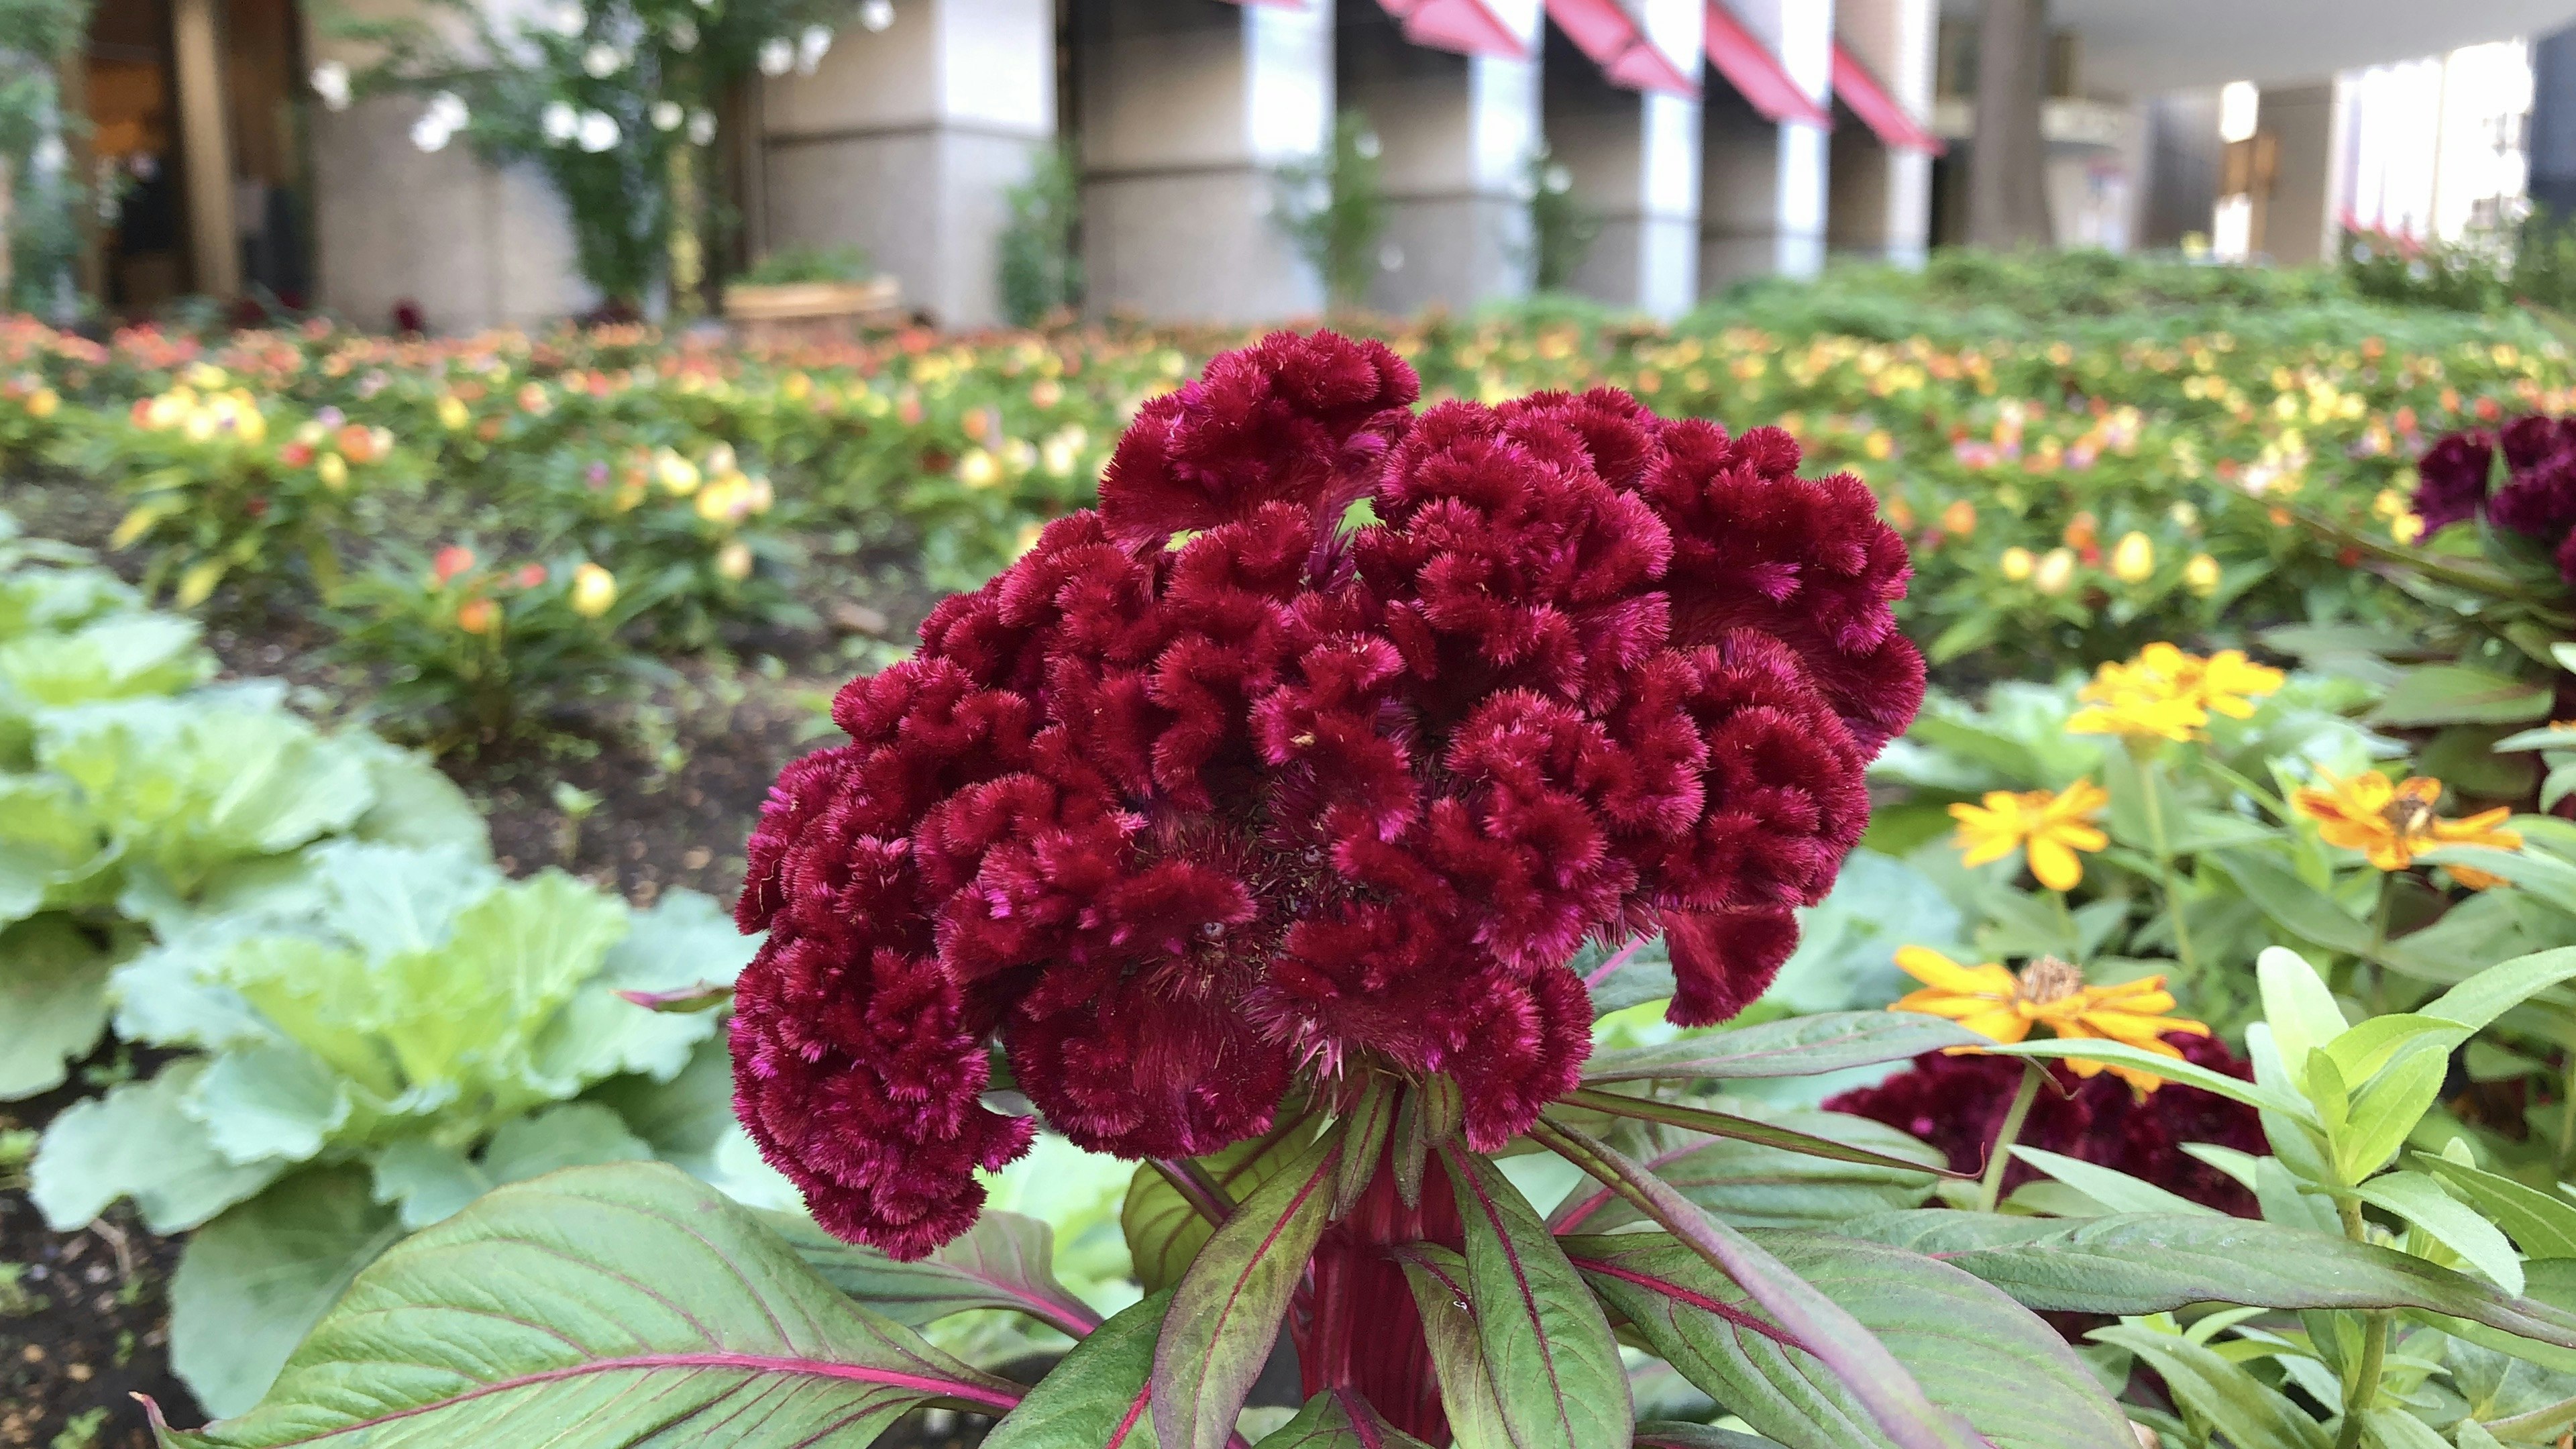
(1994, 1002)
(477, 616)
(2393, 822)
(450, 561)
(1959, 519)
(2052, 825)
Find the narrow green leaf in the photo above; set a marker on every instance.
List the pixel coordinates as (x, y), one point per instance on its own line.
(1164, 1231)
(1096, 1398)
(2294, 905)
(2360, 1053)
(1227, 1308)
(1797, 1046)
(1004, 1261)
(1371, 1123)
(1438, 1278)
(1339, 1419)
(2432, 694)
(2301, 1011)
(2420, 1200)
(2251, 1413)
(2110, 1187)
(2121, 1054)
(2482, 998)
(2151, 1263)
(595, 1308)
(1427, 1119)
(2542, 1224)
(1876, 1379)
(2385, 1112)
(1675, 1434)
(1756, 1186)
(1976, 1352)
(1744, 1129)
(1553, 1359)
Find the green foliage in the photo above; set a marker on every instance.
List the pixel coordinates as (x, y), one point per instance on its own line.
(809, 264)
(1562, 227)
(1040, 273)
(1333, 209)
(44, 198)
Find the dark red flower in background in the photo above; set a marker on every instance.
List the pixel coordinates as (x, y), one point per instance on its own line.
(1212, 794)
(1958, 1104)
(2537, 498)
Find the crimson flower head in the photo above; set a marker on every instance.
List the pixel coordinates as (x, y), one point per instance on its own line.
(1226, 791)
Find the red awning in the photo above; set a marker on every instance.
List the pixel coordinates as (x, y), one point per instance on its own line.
(1606, 32)
(1755, 72)
(1855, 87)
(1468, 27)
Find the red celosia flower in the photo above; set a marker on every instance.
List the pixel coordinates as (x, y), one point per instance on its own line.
(1208, 794)
(1958, 1103)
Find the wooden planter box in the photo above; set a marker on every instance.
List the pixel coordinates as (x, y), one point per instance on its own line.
(809, 313)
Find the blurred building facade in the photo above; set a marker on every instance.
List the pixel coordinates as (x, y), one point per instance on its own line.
(1705, 141)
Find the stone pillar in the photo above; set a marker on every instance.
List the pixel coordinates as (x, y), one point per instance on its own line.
(1634, 160)
(1763, 182)
(1458, 132)
(1881, 196)
(1186, 109)
(2007, 175)
(904, 141)
(2302, 212)
(205, 148)
(2553, 123)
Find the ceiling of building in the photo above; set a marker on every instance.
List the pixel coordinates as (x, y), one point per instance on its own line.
(2141, 46)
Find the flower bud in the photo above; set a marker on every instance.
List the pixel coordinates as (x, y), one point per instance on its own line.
(2056, 570)
(2200, 575)
(477, 616)
(733, 561)
(333, 470)
(594, 590)
(2017, 563)
(2133, 559)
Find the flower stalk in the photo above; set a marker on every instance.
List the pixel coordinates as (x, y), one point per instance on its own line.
(1990, 1188)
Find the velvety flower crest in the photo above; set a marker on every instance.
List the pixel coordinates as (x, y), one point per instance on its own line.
(1215, 797)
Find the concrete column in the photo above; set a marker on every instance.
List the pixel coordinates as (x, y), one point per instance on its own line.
(1634, 160)
(2007, 175)
(2300, 215)
(205, 148)
(904, 141)
(1186, 109)
(1881, 197)
(2553, 123)
(1763, 183)
(1458, 132)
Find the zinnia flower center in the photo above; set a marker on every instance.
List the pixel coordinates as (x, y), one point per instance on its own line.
(2049, 979)
(2409, 816)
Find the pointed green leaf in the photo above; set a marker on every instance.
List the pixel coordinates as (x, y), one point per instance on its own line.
(2110, 1187)
(1976, 1352)
(2420, 1200)
(2151, 1263)
(1675, 1434)
(1164, 1232)
(1756, 1186)
(2385, 1112)
(1468, 1396)
(2482, 998)
(1797, 1046)
(1227, 1308)
(2251, 1413)
(1004, 1261)
(591, 1309)
(1555, 1365)
(1372, 1122)
(2432, 694)
(2542, 1224)
(1096, 1398)
(1745, 1129)
(2121, 1054)
(1339, 1419)
(2301, 1011)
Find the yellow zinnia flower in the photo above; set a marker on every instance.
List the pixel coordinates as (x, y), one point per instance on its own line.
(2392, 823)
(2052, 825)
(2167, 694)
(1994, 1002)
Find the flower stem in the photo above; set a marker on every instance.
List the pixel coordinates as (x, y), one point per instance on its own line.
(1991, 1189)
(2164, 866)
(2361, 1389)
(1196, 1188)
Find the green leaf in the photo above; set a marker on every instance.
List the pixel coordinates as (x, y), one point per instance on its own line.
(269, 1099)
(2301, 1011)
(1339, 1419)
(1371, 1123)
(415, 805)
(53, 1003)
(1863, 1365)
(2121, 1054)
(598, 1307)
(1743, 1129)
(1751, 1185)
(2151, 1263)
(50, 847)
(1556, 1368)
(125, 657)
(2110, 1187)
(1674, 1434)
(1633, 975)
(1004, 1261)
(2420, 1200)
(1227, 1308)
(2385, 1112)
(138, 1141)
(1796, 1046)
(2478, 1001)
(2435, 694)
(2251, 1413)
(1096, 1398)
(2294, 905)
(2542, 1224)
(1976, 1352)
(1468, 1396)
(1164, 1232)
(254, 1281)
